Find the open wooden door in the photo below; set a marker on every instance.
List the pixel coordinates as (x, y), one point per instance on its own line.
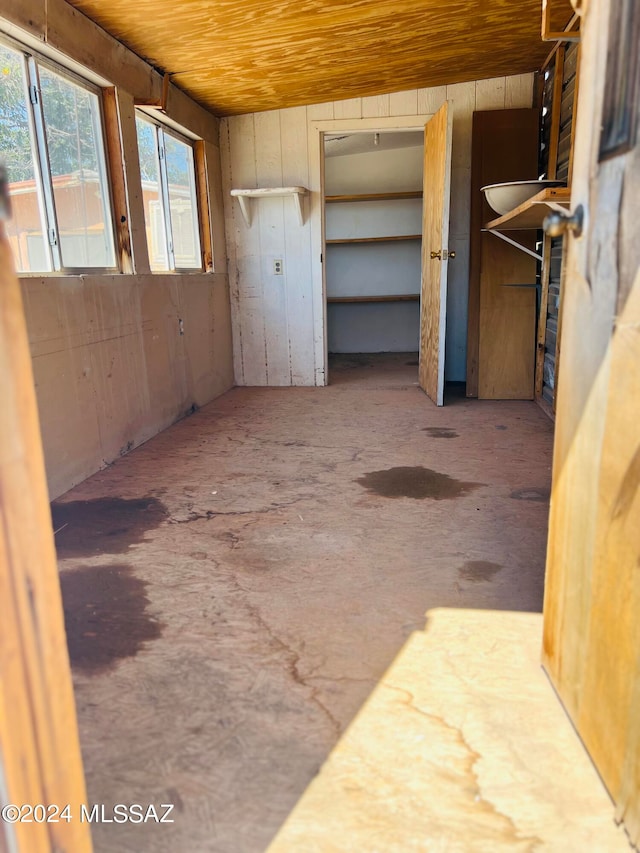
(435, 252)
(592, 590)
(42, 788)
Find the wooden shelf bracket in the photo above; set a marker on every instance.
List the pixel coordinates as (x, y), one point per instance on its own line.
(244, 199)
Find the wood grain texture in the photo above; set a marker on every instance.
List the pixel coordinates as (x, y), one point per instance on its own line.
(238, 58)
(592, 591)
(504, 149)
(531, 213)
(372, 196)
(557, 16)
(435, 236)
(542, 319)
(506, 345)
(375, 239)
(556, 104)
(298, 138)
(399, 297)
(39, 745)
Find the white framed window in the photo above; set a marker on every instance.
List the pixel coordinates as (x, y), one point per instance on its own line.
(52, 143)
(167, 169)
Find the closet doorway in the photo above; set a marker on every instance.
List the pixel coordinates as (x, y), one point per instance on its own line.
(385, 252)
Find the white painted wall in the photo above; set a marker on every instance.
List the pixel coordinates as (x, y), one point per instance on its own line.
(278, 320)
(373, 269)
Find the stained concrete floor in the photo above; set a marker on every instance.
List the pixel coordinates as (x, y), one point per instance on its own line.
(236, 588)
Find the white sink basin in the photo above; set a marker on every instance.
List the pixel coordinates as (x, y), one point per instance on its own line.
(505, 197)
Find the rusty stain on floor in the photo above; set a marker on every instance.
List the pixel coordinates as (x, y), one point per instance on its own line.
(531, 494)
(106, 525)
(440, 432)
(415, 482)
(479, 570)
(106, 617)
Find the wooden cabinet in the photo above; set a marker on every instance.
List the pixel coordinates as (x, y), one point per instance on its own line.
(558, 99)
(502, 280)
(499, 334)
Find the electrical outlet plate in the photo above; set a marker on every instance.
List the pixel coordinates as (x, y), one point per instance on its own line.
(278, 267)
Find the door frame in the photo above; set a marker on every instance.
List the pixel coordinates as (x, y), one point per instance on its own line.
(317, 128)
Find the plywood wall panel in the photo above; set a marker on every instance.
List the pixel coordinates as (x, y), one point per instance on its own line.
(268, 56)
(431, 99)
(404, 103)
(245, 270)
(350, 108)
(375, 105)
(270, 223)
(297, 142)
(111, 367)
(490, 94)
(297, 250)
(518, 91)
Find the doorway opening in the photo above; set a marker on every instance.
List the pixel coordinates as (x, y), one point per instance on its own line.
(373, 185)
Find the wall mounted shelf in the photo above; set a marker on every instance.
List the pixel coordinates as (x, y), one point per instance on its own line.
(529, 216)
(335, 199)
(374, 239)
(244, 197)
(395, 297)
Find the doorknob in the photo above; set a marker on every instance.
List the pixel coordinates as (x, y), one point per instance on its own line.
(556, 224)
(442, 255)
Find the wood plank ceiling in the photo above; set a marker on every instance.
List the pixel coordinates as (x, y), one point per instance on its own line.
(239, 56)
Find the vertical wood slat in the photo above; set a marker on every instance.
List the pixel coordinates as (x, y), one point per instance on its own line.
(269, 222)
(213, 157)
(204, 205)
(118, 181)
(490, 94)
(246, 285)
(231, 240)
(303, 251)
(299, 306)
(375, 105)
(435, 235)
(39, 746)
(403, 103)
(123, 112)
(556, 106)
(542, 319)
(574, 116)
(504, 149)
(431, 99)
(563, 276)
(349, 108)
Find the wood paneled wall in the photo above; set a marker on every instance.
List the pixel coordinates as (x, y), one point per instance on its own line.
(592, 588)
(113, 365)
(277, 320)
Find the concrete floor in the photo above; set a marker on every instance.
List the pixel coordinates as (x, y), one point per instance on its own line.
(235, 588)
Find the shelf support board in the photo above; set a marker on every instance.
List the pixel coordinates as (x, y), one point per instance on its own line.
(515, 243)
(245, 195)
